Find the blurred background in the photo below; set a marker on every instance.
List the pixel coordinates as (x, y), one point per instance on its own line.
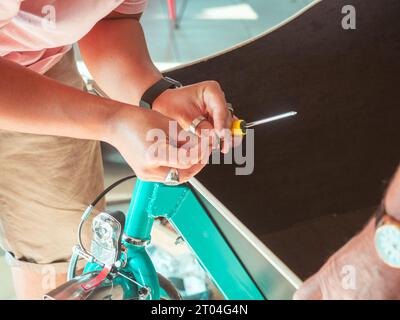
(180, 32)
(206, 27)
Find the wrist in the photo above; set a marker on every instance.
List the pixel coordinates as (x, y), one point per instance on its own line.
(156, 90)
(368, 234)
(159, 103)
(147, 82)
(114, 121)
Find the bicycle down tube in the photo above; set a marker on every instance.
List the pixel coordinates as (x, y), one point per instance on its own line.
(185, 212)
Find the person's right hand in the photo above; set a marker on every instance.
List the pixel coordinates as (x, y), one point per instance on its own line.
(129, 133)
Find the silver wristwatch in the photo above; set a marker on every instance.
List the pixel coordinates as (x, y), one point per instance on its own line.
(387, 238)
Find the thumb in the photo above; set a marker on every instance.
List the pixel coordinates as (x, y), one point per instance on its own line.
(215, 103)
(309, 290)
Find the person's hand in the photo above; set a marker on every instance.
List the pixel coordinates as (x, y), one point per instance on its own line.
(354, 272)
(144, 139)
(205, 98)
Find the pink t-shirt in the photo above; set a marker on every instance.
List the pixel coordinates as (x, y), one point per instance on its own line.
(37, 33)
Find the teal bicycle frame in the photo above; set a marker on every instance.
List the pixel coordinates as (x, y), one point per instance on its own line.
(181, 206)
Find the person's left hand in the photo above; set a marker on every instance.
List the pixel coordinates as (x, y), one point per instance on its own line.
(189, 102)
(354, 272)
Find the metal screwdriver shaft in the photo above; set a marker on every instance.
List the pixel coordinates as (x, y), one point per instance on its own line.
(239, 127)
(271, 119)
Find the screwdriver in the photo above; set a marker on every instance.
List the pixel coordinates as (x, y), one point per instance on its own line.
(239, 127)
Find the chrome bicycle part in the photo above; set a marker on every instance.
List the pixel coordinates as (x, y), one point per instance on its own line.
(172, 178)
(107, 228)
(135, 241)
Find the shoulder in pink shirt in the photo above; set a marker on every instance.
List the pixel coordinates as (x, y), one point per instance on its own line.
(37, 33)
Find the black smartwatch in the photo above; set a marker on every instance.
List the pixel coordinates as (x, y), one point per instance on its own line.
(156, 89)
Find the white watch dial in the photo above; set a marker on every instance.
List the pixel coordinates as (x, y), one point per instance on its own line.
(387, 242)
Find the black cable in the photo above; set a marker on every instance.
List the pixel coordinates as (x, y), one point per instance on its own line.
(109, 188)
(93, 204)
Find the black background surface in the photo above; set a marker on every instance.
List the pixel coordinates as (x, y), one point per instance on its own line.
(319, 175)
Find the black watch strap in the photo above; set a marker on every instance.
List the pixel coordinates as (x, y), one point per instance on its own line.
(156, 89)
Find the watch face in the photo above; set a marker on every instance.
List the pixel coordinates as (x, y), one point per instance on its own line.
(387, 242)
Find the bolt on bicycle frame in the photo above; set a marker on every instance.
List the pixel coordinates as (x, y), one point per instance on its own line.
(184, 210)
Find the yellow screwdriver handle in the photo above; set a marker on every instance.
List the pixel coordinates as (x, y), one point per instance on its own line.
(238, 128)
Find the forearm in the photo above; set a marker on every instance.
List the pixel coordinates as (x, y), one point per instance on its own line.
(32, 103)
(117, 57)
